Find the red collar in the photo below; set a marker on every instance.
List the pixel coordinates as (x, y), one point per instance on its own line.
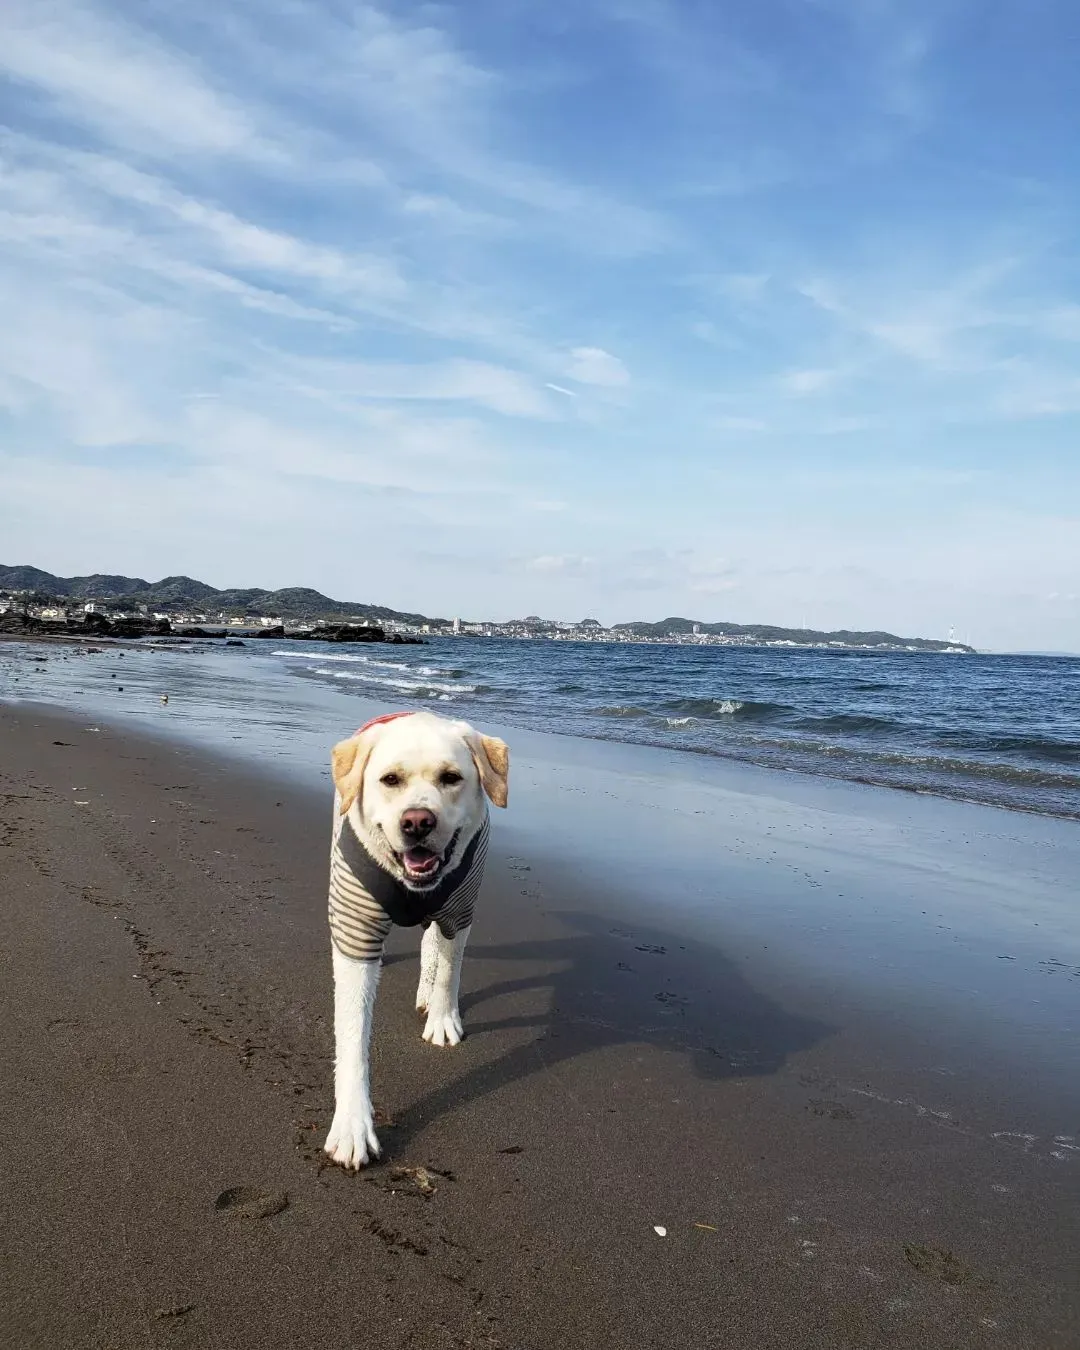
(377, 721)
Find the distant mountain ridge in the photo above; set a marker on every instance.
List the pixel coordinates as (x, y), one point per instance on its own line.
(172, 594)
(677, 627)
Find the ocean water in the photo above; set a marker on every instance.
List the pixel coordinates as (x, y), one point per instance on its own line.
(1004, 730)
(998, 729)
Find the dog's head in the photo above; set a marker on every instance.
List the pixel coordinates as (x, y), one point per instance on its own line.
(415, 788)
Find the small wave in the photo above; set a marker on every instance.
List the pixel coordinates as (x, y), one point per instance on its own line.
(988, 769)
(383, 665)
(357, 660)
(301, 655)
(425, 687)
(350, 660)
(925, 763)
(680, 712)
(860, 723)
(569, 688)
(1033, 747)
(717, 709)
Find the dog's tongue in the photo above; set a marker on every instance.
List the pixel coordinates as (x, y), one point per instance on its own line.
(420, 860)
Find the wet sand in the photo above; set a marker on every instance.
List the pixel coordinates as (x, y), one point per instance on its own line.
(854, 1111)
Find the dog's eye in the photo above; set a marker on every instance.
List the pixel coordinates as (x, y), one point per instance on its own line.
(449, 777)
(390, 780)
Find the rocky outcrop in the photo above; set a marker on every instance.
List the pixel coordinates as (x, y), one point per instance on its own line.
(353, 632)
(346, 632)
(138, 628)
(95, 625)
(15, 624)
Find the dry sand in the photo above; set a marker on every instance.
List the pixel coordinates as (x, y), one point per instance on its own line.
(166, 1059)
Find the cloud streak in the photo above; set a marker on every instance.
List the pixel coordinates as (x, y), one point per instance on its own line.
(123, 82)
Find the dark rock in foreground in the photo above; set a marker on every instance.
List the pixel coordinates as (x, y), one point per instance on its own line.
(137, 628)
(346, 632)
(95, 625)
(350, 632)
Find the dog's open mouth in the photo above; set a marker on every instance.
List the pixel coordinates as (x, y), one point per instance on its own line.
(420, 863)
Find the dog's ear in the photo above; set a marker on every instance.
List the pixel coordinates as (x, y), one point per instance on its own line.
(348, 760)
(492, 759)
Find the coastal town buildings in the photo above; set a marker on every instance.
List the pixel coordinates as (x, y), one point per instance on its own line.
(671, 632)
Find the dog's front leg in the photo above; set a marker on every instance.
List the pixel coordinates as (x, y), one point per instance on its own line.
(429, 964)
(443, 1026)
(352, 1140)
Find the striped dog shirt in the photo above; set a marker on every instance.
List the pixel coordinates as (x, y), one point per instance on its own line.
(366, 901)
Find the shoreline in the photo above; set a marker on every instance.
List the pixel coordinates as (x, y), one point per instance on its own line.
(764, 1070)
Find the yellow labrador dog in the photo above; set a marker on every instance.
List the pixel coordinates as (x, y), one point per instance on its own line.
(409, 843)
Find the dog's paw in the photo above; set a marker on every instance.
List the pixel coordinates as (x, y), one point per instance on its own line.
(352, 1140)
(443, 1026)
(423, 996)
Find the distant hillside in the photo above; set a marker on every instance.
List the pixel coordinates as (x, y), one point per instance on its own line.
(175, 594)
(760, 632)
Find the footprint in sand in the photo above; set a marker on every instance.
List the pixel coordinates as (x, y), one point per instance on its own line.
(249, 1202)
(943, 1265)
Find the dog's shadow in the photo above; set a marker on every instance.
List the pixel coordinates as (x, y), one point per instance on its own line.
(603, 985)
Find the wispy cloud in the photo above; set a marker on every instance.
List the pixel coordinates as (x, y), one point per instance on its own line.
(958, 330)
(694, 52)
(64, 368)
(735, 423)
(810, 381)
(211, 231)
(420, 93)
(90, 66)
(345, 383)
(381, 449)
(566, 564)
(593, 365)
(892, 42)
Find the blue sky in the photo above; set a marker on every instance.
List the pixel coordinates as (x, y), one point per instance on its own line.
(759, 312)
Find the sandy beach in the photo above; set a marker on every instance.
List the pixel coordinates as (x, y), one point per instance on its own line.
(824, 1036)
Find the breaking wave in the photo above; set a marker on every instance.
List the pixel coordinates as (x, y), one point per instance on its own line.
(357, 660)
(425, 688)
(713, 709)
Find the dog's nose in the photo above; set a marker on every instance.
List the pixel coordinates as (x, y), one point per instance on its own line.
(417, 823)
